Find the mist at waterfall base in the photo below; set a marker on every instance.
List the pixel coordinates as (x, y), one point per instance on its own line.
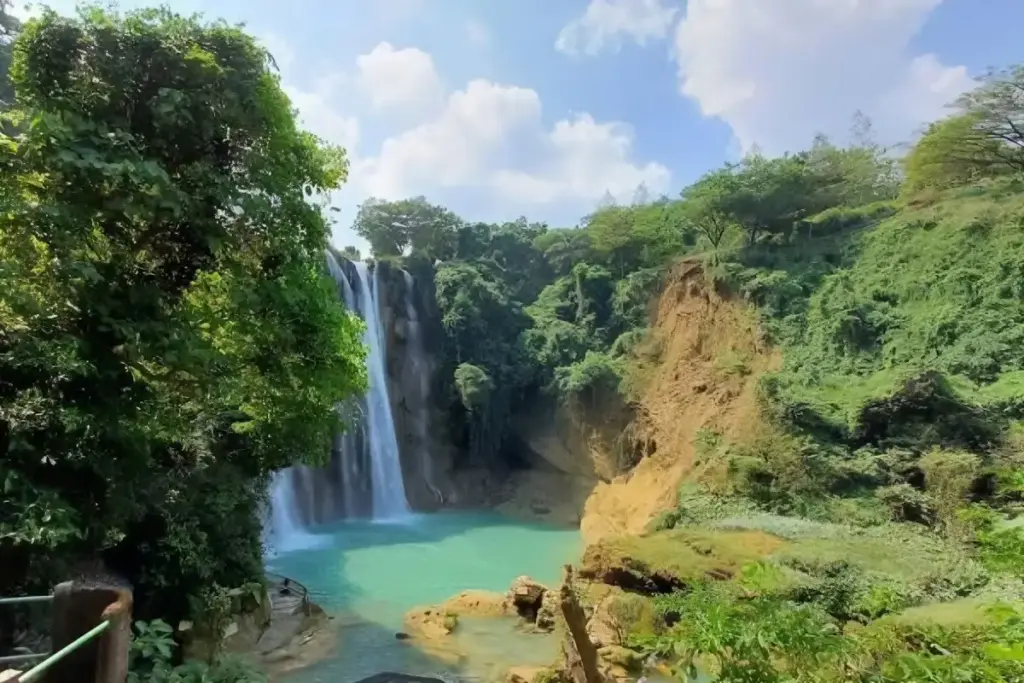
(346, 532)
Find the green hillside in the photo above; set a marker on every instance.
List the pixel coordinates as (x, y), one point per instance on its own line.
(932, 288)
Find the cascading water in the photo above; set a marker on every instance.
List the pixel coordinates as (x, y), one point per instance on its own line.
(288, 532)
(364, 477)
(386, 467)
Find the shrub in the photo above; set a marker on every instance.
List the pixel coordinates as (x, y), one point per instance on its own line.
(884, 597)
(907, 504)
(706, 444)
(630, 614)
(588, 379)
(152, 653)
(760, 639)
(474, 386)
(948, 477)
(1000, 546)
(834, 587)
(763, 578)
(732, 363)
(840, 218)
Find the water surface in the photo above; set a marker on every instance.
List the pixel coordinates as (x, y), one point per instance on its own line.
(369, 574)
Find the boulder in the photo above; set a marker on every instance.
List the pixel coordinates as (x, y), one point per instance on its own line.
(287, 646)
(432, 621)
(547, 615)
(601, 627)
(477, 603)
(429, 623)
(526, 597)
(525, 674)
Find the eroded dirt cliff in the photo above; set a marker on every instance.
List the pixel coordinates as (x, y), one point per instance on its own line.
(698, 370)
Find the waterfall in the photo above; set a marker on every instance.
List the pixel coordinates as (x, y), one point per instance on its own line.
(386, 468)
(364, 476)
(287, 530)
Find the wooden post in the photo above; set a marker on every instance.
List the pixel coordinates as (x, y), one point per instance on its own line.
(78, 606)
(580, 653)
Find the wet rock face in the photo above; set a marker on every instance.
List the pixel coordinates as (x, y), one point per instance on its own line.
(411, 328)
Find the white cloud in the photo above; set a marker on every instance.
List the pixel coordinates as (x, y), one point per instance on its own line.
(454, 148)
(577, 160)
(398, 78)
(777, 72)
(317, 115)
(584, 160)
(604, 23)
(486, 143)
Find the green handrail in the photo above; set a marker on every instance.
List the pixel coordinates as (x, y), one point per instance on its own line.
(40, 668)
(10, 659)
(25, 598)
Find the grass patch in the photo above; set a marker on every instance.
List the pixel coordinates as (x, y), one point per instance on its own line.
(667, 560)
(882, 555)
(973, 611)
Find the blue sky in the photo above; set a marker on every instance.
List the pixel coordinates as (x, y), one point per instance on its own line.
(538, 107)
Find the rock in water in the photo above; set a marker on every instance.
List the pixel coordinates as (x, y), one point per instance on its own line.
(526, 595)
(391, 677)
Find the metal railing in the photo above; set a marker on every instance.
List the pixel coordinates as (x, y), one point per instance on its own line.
(27, 657)
(290, 585)
(49, 659)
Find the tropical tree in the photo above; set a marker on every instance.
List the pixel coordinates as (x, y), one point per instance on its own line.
(391, 228)
(996, 108)
(168, 336)
(705, 205)
(953, 151)
(351, 253)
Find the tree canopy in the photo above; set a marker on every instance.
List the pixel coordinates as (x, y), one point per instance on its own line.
(996, 109)
(167, 334)
(393, 227)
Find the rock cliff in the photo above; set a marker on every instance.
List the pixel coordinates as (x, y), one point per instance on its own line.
(610, 467)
